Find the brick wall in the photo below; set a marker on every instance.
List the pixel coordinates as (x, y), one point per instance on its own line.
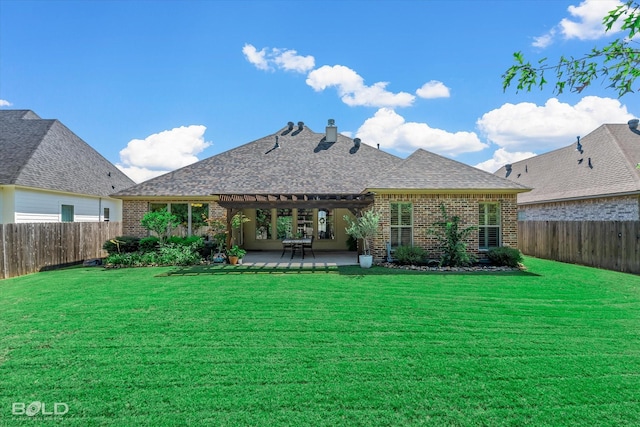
(134, 210)
(426, 211)
(623, 208)
(132, 213)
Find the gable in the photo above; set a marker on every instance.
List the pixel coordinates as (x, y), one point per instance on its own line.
(426, 170)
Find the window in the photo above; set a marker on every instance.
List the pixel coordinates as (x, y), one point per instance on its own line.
(326, 224)
(401, 224)
(284, 223)
(199, 212)
(105, 214)
(263, 224)
(66, 213)
(304, 224)
(489, 225)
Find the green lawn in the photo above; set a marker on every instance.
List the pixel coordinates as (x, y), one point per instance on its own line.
(558, 345)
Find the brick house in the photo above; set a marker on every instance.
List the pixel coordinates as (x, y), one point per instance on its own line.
(595, 179)
(298, 182)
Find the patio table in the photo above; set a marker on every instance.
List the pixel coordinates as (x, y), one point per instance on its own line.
(295, 244)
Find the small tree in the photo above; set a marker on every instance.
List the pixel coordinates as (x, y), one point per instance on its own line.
(452, 238)
(217, 230)
(365, 227)
(159, 222)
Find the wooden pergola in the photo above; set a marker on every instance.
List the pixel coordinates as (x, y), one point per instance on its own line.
(234, 203)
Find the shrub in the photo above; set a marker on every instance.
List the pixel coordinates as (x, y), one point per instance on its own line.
(159, 222)
(122, 244)
(149, 244)
(504, 255)
(130, 259)
(452, 238)
(172, 254)
(186, 241)
(414, 255)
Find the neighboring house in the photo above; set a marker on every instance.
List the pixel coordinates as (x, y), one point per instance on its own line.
(49, 174)
(297, 181)
(595, 179)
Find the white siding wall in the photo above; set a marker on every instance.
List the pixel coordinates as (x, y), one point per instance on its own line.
(6, 204)
(42, 206)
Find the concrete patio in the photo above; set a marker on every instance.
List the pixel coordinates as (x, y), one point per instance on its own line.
(321, 260)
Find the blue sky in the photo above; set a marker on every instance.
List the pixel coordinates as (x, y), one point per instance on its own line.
(156, 85)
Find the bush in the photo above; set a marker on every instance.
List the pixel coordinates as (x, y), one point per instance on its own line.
(504, 255)
(453, 240)
(412, 255)
(186, 241)
(122, 244)
(172, 254)
(149, 244)
(130, 259)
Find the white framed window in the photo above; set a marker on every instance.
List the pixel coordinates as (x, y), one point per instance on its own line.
(401, 224)
(489, 225)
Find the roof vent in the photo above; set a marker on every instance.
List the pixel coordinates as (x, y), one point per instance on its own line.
(579, 146)
(356, 142)
(633, 124)
(508, 167)
(290, 125)
(300, 126)
(332, 132)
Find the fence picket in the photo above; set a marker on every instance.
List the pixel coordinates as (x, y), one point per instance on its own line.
(28, 248)
(613, 245)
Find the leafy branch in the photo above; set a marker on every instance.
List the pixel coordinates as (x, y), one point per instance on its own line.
(618, 62)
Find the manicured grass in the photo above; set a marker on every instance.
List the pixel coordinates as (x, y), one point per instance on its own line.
(559, 345)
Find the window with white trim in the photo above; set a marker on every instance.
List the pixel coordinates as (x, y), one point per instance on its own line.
(489, 225)
(401, 224)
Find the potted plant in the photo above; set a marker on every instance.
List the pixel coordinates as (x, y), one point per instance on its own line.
(365, 227)
(235, 253)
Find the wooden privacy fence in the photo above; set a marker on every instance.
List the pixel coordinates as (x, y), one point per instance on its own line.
(612, 245)
(32, 247)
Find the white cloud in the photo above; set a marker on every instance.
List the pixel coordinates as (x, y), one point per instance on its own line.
(5, 103)
(353, 91)
(501, 157)
(257, 58)
(584, 23)
(391, 131)
(553, 125)
(140, 174)
(289, 60)
(433, 89)
(544, 40)
(286, 59)
(163, 151)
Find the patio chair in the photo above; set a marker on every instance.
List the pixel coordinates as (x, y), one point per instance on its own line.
(309, 245)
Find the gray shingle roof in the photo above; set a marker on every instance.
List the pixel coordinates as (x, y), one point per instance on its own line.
(614, 152)
(45, 154)
(426, 170)
(305, 164)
